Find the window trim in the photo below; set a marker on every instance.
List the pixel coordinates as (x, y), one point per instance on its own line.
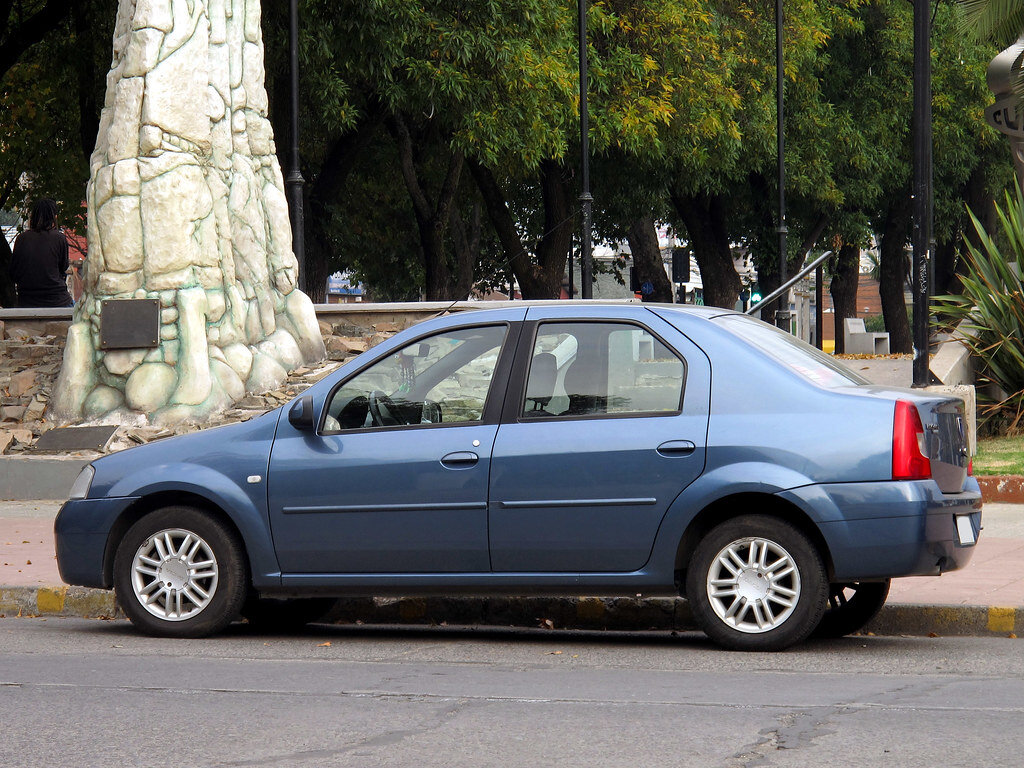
(492, 402)
(515, 396)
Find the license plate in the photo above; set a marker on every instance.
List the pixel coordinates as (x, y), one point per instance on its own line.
(965, 530)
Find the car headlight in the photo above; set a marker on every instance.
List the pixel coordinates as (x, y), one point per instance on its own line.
(80, 489)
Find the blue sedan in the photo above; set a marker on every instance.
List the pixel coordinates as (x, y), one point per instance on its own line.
(570, 449)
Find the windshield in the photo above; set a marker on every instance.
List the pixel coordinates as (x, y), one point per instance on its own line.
(813, 364)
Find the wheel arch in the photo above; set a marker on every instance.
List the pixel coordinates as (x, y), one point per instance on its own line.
(735, 505)
(159, 500)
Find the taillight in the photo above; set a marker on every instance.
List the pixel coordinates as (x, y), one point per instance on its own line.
(909, 461)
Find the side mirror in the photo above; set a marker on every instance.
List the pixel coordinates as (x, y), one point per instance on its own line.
(300, 415)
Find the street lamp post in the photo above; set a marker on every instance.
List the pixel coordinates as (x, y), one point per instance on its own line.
(781, 314)
(294, 181)
(922, 232)
(586, 201)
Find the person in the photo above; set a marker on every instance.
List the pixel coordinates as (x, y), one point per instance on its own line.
(39, 262)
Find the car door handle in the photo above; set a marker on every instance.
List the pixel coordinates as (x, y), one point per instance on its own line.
(677, 448)
(460, 460)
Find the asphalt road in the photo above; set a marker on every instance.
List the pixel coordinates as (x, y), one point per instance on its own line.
(90, 693)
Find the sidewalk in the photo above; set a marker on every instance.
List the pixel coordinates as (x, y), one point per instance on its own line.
(985, 598)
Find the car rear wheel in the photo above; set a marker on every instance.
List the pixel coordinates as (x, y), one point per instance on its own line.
(180, 572)
(851, 606)
(756, 583)
(270, 613)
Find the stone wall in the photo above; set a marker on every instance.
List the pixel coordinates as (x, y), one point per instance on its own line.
(186, 206)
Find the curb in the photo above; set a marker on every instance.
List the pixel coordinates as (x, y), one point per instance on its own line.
(1001, 489)
(590, 613)
(32, 478)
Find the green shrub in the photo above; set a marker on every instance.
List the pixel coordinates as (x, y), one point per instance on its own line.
(874, 323)
(992, 307)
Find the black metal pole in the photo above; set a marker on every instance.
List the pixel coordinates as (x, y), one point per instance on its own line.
(819, 306)
(782, 313)
(294, 181)
(586, 201)
(922, 129)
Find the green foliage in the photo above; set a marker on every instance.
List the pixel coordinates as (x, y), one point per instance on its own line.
(998, 20)
(990, 313)
(874, 323)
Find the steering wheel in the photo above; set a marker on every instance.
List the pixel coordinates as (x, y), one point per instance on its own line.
(383, 410)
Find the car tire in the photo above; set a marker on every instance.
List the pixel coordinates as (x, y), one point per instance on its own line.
(851, 606)
(276, 614)
(180, 572)
(756, 583)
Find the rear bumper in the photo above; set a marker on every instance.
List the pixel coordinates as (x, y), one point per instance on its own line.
(891, 529)
(81, 532)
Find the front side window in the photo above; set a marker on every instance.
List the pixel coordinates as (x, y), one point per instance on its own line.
(442, 379)
(601, 369)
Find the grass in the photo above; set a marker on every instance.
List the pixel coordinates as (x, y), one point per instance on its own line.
(1000, 456)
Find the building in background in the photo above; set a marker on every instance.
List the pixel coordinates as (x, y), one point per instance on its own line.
(341, 289)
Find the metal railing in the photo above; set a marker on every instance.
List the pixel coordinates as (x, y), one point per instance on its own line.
(789, 283)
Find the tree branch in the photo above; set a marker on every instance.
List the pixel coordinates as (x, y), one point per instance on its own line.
(406, 161)
(34, 29)
(501, 219)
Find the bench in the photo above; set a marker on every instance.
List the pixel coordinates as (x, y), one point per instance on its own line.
(859, 341)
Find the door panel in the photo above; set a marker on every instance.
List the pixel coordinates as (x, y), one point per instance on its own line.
(578, 481)
(381, 501)
(395, 481)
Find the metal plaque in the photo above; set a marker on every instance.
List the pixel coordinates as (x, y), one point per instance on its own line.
(66, 439)
(129, 324)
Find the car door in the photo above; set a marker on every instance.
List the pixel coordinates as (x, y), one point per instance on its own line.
(604, 425)
(394, 480)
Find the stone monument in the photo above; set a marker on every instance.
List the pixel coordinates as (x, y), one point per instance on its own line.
(186, 206)
(1007, 114)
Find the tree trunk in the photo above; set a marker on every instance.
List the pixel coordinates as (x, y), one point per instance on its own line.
(647, 261)
(88, 108)
(541, 279)
(844, 290)
(467, 248)
(981, 203)
(559, 223)
(324, 190)
(893, 270)
(432, 220)
(704, 218)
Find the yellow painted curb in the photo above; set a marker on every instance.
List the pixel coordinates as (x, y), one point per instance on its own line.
(51, 599)
(1002, 619)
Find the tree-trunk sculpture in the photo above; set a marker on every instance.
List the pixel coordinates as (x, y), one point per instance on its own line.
(186, 205)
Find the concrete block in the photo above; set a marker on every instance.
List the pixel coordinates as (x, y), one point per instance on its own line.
(28, 477)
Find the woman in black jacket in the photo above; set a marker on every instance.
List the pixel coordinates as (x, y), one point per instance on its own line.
(39, 262)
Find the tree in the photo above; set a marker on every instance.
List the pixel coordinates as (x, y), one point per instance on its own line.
(997, 20)
(49, 105)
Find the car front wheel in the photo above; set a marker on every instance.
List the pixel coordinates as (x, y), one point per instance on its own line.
(756, 583)
(179, 572)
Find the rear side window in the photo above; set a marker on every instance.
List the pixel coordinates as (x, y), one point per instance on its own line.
(800, 357)
(601, 369)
